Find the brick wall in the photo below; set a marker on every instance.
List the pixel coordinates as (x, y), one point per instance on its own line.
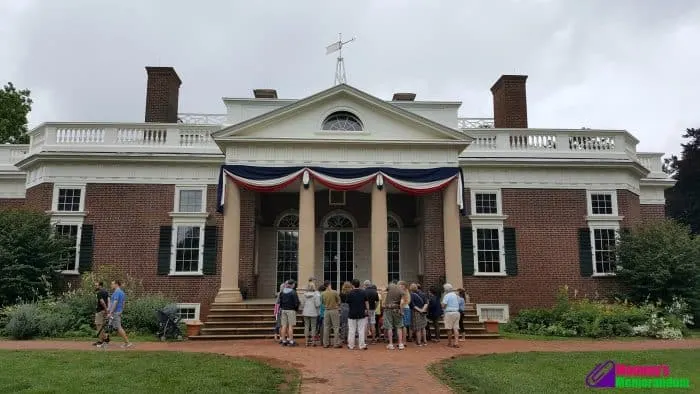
(546, 223)
(39, 197)
(628, 206)
(433, 240)
(11, 203)
(510, 102)
(652, 212)
(162, 94)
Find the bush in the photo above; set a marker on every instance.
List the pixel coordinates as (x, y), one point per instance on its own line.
(22, 321)
(72, 314)
(661, 262)
(30, 256)
(599, 319)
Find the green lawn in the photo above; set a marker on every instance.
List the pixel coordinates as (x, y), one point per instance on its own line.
(536, 372)
(118, 371)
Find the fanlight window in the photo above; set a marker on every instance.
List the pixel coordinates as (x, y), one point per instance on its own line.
(391, 222)
(342, 121)
(338, 222)
(289, 221)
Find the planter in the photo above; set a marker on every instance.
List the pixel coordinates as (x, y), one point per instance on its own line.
(491, 326)
(193, 328)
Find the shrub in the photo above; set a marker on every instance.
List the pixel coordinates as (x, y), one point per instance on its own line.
(661, 261)
(30, 256)
(22, 321)
(140, 314)
(599, 319)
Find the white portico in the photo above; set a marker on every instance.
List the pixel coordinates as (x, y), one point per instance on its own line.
(344, 140)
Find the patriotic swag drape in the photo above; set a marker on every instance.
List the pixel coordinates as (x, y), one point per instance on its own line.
(416, 181)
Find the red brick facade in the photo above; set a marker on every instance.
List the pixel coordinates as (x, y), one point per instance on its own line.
(510, 102)
(652, 212)
(126, 219)
(12, 203)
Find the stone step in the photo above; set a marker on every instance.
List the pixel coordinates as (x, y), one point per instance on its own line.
(270, 336)
(206, 330)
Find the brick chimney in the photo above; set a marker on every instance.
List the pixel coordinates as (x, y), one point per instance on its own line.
(510, 102)
(162, 94)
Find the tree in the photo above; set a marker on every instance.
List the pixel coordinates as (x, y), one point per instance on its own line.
(30, 256)
(660, 261)
(14, 107)
(683, 199)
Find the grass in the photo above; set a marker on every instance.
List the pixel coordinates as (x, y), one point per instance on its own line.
(535, 372)
(139, 372)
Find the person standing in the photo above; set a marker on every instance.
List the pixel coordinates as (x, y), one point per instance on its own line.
(101, 312)
(344, 311)
(278, 314)
(358, 309)
(406, 310)
(373, 300)
(450, 303)
(115, 310)
(331, 317)
(289, 304)
(434, 313)
(393, 320)
(418, 320)
(312, 303)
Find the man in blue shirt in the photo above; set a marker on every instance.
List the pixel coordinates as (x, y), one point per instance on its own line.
(450, 304)
(116, 307)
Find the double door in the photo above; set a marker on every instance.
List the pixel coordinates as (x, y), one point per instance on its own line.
(338, 257)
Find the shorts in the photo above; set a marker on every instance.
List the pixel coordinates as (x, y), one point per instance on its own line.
(116, 321)
(407, 317)
(452, 320)
(289, 318)
(392, 319)
(99, 318)
(372, 319)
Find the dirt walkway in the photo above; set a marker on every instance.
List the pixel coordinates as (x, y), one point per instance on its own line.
(373, 370)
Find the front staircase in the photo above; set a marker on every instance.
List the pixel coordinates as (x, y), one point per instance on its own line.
(255, 320)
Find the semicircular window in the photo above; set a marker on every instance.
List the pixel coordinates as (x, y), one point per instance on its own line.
(342, 121)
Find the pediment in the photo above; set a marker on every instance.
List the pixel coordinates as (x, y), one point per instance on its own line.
(381, 121)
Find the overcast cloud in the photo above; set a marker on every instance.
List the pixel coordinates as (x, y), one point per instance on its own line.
(629, 64)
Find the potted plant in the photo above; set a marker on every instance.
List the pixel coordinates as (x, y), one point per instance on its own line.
(193, 327)
(491, 326)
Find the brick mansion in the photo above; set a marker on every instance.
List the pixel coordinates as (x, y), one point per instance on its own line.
(217, 208)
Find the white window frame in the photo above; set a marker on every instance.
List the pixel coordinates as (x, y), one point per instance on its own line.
(499, 202)
(71, 221)
(502, 251)
(173, 247)
(504, 307)
(602, 226)
(336, 204)
(181, 188)
(197, 308)
(54, 201)
(613, 199)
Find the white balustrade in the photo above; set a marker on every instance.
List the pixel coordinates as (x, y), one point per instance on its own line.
(11, 154)
(474, 123)
(203, 119)
(652, 161)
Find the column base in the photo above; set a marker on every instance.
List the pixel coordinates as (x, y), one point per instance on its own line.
(228, 296)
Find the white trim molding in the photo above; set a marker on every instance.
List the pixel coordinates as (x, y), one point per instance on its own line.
(615, 226)
(57, 187)
(71, 221)
(173, 249)
(501, 252)
(505, 310)
(499, 201)
(195, 306)
(613, 201)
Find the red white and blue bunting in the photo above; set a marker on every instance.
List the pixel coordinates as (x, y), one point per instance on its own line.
(414, 181)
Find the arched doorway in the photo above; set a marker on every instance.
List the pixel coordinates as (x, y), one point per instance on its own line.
(338, 249)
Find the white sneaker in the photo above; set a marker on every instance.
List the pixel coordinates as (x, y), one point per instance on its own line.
(351, 347)
(401, 346)
(390, 347)
(127, 345)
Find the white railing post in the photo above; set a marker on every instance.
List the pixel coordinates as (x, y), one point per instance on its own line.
(562, 142)
(502, 140)
(173, 137)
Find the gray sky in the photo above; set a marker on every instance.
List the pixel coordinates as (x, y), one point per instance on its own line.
(628, 64)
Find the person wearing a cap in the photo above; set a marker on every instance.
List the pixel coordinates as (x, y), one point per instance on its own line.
(289, 304)
(450, 304)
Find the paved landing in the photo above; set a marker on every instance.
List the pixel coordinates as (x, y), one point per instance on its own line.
(373, 370)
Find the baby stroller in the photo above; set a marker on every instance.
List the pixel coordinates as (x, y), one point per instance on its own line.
(168, 323)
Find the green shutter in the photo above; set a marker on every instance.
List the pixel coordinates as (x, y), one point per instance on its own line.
(467, 251)
(210, 243)
(86, 248)
(585, 251)
(511, 251)
(164, 250)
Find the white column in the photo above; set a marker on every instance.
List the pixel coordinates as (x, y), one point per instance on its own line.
(307, 230)
(378, 233)
(230, 256)
(451, 228)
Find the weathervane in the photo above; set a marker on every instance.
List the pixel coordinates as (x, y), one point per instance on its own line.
(340, 65)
